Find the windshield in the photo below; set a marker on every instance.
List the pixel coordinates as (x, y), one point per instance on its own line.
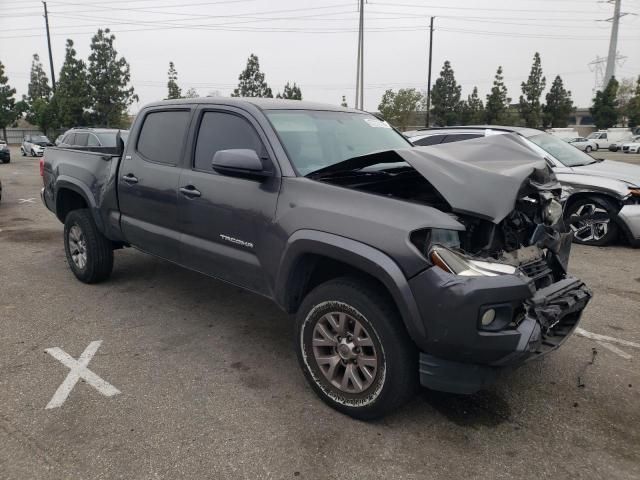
(109, 139)
(317, 139)
(39, 138)
(565, 153)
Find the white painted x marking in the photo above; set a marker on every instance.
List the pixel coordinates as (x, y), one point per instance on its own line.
(26, 200)
(78, 370)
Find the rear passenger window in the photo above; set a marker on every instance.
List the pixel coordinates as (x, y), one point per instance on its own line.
(162, 136)
(430, 140)
(93, 141)
(81, 139)
(69, 139)
(223, 131)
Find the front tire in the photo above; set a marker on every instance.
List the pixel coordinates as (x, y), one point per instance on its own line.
(354, 350)
(592, 220)
(23, 152)
(33, 153)
(89, 253)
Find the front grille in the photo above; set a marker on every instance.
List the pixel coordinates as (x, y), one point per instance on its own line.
(539, 271)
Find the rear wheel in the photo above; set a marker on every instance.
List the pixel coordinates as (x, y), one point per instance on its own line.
(592, 221)
(89, 253)
(587, 148)
(354, 350)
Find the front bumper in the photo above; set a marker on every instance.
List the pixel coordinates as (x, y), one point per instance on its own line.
(461, 357)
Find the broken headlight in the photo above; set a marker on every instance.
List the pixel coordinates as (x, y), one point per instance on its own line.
(458, 264)
(552, 212)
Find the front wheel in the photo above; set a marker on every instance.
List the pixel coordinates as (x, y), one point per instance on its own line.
(354, 350)
(592, 221)
(89, 253)
(23, 152)
(33, 153)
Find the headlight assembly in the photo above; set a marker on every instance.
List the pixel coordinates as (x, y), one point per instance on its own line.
(552, 212)
(455, 263)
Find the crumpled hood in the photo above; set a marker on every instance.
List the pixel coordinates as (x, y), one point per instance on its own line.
(480, 176)
(614, 170)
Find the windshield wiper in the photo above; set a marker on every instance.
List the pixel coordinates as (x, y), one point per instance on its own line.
(345, 173)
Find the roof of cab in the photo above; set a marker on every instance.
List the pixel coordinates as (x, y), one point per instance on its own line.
(261, 103)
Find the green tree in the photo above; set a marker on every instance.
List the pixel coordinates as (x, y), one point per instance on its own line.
(44, 113)
(626, 91)
(530, 108)
(191, 93)
(605, 106)
(559, 105)
(174, 90)
(399, 108)
(38, 83)
(344, 102)
(251, 81)
(472, 111)
(72, 90)
(445, 98)
(109, 78)
(633, 108)
(291, 92)
(497, 106)
(8, 110)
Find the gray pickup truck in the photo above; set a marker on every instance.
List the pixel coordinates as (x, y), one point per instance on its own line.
(401, 265)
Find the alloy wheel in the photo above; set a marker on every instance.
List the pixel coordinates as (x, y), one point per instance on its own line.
(590, 222)
(345, 352)
(77, 247)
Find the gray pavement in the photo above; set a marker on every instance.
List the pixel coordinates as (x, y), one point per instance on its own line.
(210, 387)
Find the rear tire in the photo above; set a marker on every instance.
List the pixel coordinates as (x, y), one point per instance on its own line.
(89, 253)
(354, 350)
(587, 148)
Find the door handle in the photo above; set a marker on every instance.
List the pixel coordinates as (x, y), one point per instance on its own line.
(130, 179)
(190, 191)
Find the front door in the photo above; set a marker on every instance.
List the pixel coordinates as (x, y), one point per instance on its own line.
(226, 220)
(148, 182)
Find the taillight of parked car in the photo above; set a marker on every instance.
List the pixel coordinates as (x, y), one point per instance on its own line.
(42, 166)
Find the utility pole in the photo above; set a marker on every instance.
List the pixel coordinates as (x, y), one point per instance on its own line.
(613, 45)
(360, 66)
(426, 123)
(53, 75)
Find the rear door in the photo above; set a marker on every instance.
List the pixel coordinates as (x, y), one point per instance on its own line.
(148, 181)
(227, 220)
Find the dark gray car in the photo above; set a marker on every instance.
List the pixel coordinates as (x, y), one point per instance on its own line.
(440, 266)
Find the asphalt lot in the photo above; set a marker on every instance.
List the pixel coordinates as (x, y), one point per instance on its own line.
(210, 387)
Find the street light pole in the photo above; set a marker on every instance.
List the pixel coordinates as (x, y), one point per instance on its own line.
(426, 124)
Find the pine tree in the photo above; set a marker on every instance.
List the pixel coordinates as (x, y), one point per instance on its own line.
(445, 98)
(39, 83)
(530, 108)
(605, 106)
(399, 108)
(172, 84)
(8, 110)
(497, 106)
(472, 109)
(344, 102)
(291, 92)
(251, 81)
(72, 92)
(633, 108)
(191, 93)
(109, 78)
(559, 105)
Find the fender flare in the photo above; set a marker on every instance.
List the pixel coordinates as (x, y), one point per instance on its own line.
(64, 182)
(358, 255)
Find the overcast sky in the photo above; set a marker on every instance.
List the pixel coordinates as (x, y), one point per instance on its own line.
(313, 42)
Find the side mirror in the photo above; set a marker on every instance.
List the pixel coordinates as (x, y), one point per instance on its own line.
(238, 161)
(119, 144)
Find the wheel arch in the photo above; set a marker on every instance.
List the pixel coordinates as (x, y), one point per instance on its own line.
(71, 195)
(312, 257)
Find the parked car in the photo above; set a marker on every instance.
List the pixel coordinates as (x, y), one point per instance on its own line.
(396, 268)
(604, 138)
(5, 152)
(93, 139)
(58, 139)
(601, 197)
(582, 143)
(34, 145)
(633, 146)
